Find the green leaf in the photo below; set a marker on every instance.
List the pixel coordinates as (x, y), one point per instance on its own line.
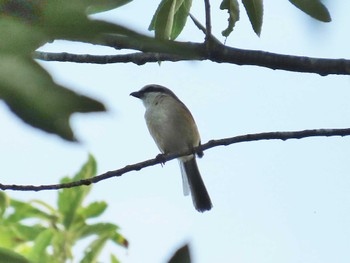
(9, 256)
(255, 12)
(120, 240)
(4, 203)
(170, 18)
(38, 252)
(31, 94)
(94, 250)
(70, 200)
(99, 229)
(182, 255)
(114, 259)
(93, 210)
(24, 210)
(19, 38)
(233, 11)
(21, 233)
(313, 8)
(97, 6)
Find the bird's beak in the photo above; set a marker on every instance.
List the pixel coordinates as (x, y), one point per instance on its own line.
(136, 94)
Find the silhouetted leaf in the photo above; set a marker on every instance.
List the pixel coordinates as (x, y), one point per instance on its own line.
(255, 11)
(313, 8)
(170, 18)
(233, 11)
(31, 93)
(182, 255)
(97, 6)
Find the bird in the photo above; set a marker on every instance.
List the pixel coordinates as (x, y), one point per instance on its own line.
(174, 130)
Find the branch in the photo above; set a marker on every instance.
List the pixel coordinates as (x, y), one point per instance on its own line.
(137, 58)
(179, 51)
(207, 25)
(163, 158)
(202, 28)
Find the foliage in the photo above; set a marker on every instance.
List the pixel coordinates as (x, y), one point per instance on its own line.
(25, 25)
(42, 233)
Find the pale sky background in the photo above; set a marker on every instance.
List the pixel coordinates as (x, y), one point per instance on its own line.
(273, 201)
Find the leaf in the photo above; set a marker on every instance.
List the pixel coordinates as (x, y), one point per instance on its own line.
(170, 18)
(94, 249)
(38, 252)
(313, 8)
(24, 210)
(114, 259)
(70, 200)
(255, 12)
(233, 11)
(93, 210)
(19, 38)
(99, 229)
(120, 240)
(97, 6)
(23, 233)
(182, 255)
(31, 94)
(4, 203)
(9, 256)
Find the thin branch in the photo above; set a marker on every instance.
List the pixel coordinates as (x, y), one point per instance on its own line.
(207, 25)
(220, 54)
(163, 158)
(137, 58)
(202, 28)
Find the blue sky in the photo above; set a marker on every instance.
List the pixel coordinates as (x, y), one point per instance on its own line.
(273, 201)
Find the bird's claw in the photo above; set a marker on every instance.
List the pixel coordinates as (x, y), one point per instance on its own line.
(161, 158)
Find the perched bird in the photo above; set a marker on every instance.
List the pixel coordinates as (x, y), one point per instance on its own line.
(174, 130)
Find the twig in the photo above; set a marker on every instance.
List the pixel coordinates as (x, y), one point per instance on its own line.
(163, 158)
(202, 28)
(207, 25)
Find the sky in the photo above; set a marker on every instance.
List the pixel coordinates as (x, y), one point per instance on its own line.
(274, 201)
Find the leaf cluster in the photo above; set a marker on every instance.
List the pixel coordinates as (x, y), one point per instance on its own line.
(42, 233)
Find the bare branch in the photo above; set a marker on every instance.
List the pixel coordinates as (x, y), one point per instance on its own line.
(179, 51)
(137, 58)
(163, 158)
(207, 26)
(202, 28)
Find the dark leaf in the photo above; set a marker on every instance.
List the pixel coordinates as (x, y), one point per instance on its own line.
(32, 95)
(97, 6)
(313, 8)
(182, 255)
(9, 256)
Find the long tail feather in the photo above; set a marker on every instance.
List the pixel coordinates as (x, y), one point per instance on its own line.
(200, 196)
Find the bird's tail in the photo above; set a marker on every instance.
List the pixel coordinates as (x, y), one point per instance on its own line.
(192, 179)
